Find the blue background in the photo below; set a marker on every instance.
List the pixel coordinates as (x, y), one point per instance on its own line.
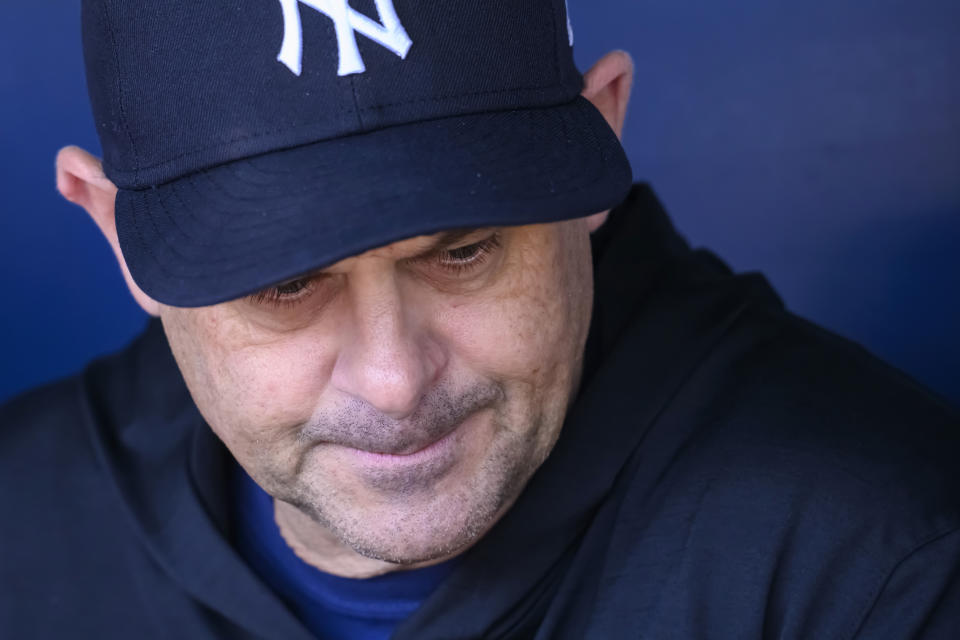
(816, 141)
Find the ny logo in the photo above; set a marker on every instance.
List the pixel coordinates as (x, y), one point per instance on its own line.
(347, 22)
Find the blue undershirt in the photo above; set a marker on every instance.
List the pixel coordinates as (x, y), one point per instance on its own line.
(332, 607)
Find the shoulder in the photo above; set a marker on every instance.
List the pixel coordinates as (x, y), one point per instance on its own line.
(59, 510)
(67, 535)
(805, 423)
(65, 431)
(47, 445)
(56, 441)
(788, 397)
(41, 426)
(786, 479)
(55, 419)
(803, 475)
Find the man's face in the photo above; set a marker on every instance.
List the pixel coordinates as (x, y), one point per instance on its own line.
(401, 398)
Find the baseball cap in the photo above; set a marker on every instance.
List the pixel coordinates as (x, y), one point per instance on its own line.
(253, 141)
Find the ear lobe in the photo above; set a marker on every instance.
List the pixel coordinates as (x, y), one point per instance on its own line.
(596, 221)
(80, 179)
(607, 85)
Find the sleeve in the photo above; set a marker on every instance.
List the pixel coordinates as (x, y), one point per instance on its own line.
(921, 596)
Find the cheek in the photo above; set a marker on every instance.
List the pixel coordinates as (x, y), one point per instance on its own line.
(275, 385)
(531, 332)
(248, 387)
(508, 340)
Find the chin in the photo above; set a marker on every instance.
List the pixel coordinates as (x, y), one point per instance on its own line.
(411, 535)
(413, 553)
(417, 529)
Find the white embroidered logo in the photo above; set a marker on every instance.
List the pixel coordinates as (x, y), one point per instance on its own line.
(347, 22)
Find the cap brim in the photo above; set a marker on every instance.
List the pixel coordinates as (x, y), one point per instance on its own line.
(234, 229)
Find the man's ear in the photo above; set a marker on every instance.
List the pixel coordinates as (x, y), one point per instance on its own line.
(80, 179)
(607, 85)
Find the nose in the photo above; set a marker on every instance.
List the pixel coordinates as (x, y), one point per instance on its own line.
(387, 357)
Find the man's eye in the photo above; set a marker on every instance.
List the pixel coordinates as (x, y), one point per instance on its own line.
(284, 293)
(470, 255)
(292, 287)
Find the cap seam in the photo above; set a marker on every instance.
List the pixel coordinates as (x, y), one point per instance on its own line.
(356, 104)
(120, 97)
(556, 44)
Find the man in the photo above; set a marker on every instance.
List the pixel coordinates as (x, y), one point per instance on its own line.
(412, 379)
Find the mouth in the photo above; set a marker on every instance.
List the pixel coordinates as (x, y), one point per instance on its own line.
(413, 466)
(411, 454)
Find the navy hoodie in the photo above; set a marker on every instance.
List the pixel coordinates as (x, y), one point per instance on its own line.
(727, 470)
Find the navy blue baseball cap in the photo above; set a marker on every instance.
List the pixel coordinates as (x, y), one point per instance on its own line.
(253, 141)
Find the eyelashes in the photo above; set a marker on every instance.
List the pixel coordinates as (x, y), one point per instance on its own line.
(286, 293)
(458, 261)
(468, 256)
